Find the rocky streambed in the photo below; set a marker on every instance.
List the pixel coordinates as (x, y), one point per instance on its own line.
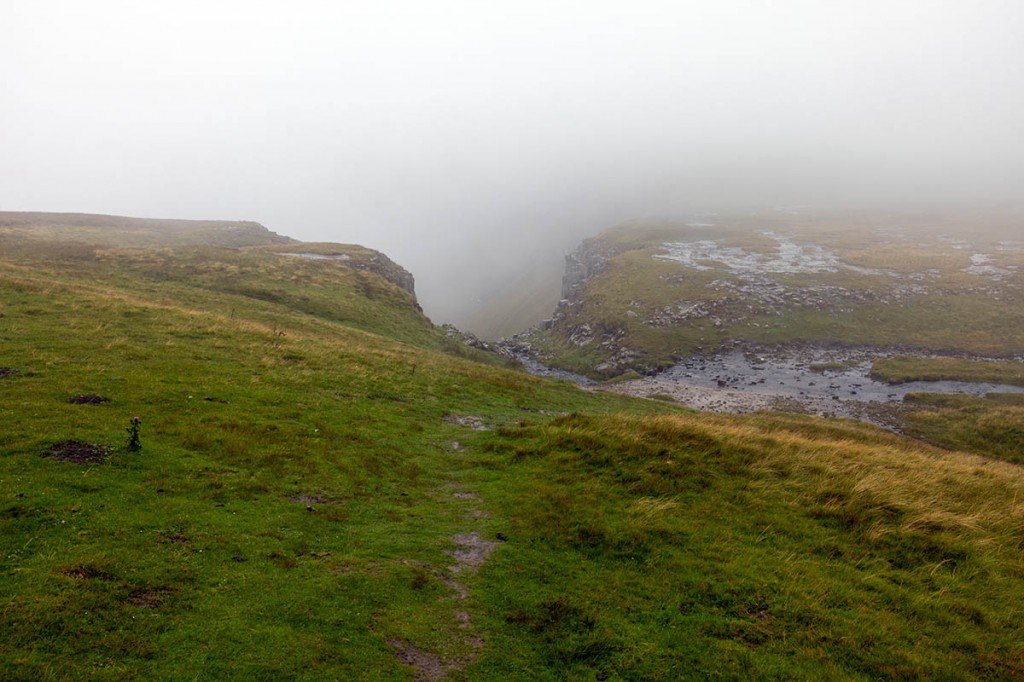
(830, 382)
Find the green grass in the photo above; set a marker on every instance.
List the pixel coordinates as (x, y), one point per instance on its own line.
(316, 434)
(905, 368)
(831, 366)
(126, 569)
(696, 547)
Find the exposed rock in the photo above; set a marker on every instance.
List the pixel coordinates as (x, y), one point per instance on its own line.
(88, 399)
(586, 261)
(381, 265)
(467, 421)
(467, 338)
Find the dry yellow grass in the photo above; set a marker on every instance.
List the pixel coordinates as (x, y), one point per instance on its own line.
(925, 488)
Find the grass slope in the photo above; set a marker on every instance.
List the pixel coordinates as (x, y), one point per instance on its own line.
(315, 498)
(773, 547)
(82, 232)
(316, 451)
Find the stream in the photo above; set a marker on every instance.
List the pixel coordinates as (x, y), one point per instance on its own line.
(842, 374)
(830, 382)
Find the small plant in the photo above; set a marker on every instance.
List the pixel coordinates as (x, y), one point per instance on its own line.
(134, 445)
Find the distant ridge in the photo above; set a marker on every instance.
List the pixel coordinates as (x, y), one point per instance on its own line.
(127, 231)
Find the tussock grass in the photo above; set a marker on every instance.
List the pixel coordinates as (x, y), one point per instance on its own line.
(992, 426)
(773, 546)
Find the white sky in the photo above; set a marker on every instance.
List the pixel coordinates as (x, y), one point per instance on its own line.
(463, 137)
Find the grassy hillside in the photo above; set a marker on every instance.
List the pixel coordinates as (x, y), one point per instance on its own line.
(326, 491)
(992, 425)
(645, 294)
(85, 230)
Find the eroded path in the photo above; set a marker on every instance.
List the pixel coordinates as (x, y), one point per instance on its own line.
(468, 550)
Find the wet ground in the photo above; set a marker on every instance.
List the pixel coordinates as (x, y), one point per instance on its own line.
(828, 382)
(541, 370)
(841, 374)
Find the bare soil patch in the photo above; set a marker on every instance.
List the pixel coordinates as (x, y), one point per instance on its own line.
(78, 452)
(427, 667)
(150, 598)
(88, 399)
(176, 538)
(471, 551)
(87, 573)
(308, 498)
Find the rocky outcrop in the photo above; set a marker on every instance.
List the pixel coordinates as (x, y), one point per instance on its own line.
(355, 257)
(588, 260)
(381, 265)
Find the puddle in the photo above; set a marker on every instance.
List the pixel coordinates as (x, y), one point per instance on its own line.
(788, 258)
(319, 256)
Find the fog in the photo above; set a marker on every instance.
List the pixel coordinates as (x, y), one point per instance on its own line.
(472, 141)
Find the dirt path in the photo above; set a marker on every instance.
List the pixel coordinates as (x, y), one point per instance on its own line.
(469, 551)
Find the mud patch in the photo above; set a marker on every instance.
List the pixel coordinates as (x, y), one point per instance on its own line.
(308, 498)
(87, 573)
(454, 585)
(471, 551)
(467, 421)
(175, 537)
(88, 399)
(151, 598)
(78, 452)
(426, 667)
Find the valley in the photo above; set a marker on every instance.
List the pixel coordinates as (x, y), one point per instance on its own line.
(329, 486)
(840, 316)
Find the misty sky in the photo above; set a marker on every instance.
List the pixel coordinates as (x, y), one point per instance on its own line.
(471, 135)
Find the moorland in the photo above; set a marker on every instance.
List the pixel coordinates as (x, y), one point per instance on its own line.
(331, 487)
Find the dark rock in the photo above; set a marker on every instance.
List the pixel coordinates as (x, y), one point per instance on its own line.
(78, 452)
(88, 399)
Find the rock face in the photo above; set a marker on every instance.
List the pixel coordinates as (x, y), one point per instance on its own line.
(355, 257)
(383, 266)
(585, 262)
